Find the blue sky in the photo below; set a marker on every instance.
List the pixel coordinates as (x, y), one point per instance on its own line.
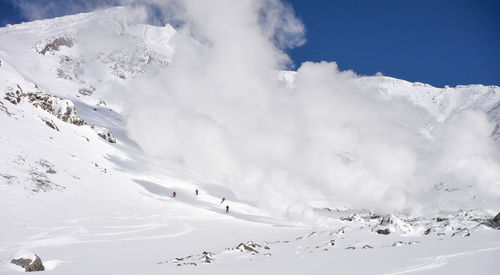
(432, 41)
(437, 42)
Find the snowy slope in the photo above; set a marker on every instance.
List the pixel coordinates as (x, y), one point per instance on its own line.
(78, 191)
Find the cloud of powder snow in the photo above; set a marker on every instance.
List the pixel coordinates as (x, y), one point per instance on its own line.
(220, 110)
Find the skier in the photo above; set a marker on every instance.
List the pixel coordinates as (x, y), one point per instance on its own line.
(173, 194)
(227, 208)
(223, 199)
(196, 191)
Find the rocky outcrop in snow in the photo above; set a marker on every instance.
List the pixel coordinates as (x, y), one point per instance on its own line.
(63, 109)
(53, 44)
(494, 222)
(104, 133)
(29, 261)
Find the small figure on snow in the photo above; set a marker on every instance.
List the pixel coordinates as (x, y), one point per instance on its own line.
(196, 192)
(223, 199)
(173, 194)
(227, 208)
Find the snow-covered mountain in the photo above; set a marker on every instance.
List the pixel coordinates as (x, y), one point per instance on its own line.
(81, 189)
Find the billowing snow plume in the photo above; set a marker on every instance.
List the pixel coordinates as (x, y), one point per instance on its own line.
(211, 96)
(219, 110)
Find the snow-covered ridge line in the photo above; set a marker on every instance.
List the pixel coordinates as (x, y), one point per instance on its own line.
(439, 102)
(59, 23)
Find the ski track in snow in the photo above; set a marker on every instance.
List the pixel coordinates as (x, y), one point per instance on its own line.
(66, 235)
(438, 261)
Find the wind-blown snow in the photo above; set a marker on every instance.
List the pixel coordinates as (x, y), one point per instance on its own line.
(209, 105)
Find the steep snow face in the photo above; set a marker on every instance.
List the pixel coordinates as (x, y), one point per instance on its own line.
(85, 51)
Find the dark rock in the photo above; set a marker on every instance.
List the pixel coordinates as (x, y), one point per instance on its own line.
(494, 222)
(207, 257)
(427, 231)
(51, 171)
(4, 109)
(107, 136)
(104, 134)
(386, 231)
(497, 218)
(52, 125)
(28, 265)
(439, 219)
(386, 220)
(24, 263)
(87, 91)
(242, 247)
(14, 96)
(54, 44)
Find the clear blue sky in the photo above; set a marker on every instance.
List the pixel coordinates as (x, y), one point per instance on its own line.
(440, 42)
(433, 41)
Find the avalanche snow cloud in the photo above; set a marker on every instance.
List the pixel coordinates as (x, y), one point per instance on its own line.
(320, 139)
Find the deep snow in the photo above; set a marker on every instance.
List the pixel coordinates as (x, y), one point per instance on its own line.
(88, 206)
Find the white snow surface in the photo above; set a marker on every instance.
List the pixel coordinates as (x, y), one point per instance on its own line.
(88, 206)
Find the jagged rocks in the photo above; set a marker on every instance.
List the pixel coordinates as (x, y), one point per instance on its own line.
(440, 219)
(243, 247)
(14, 96)
(104, 133)
(493, 222)
(30, 262)
(53, 44)
(63, 109)
(496, 219)
(4, 109)
(87, 91)
(207, 257)
(393, 224)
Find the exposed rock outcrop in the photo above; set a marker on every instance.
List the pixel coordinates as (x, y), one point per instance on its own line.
(494, 222)
(63, 109)
(104, 133)
(53, 44)
(29, 263)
